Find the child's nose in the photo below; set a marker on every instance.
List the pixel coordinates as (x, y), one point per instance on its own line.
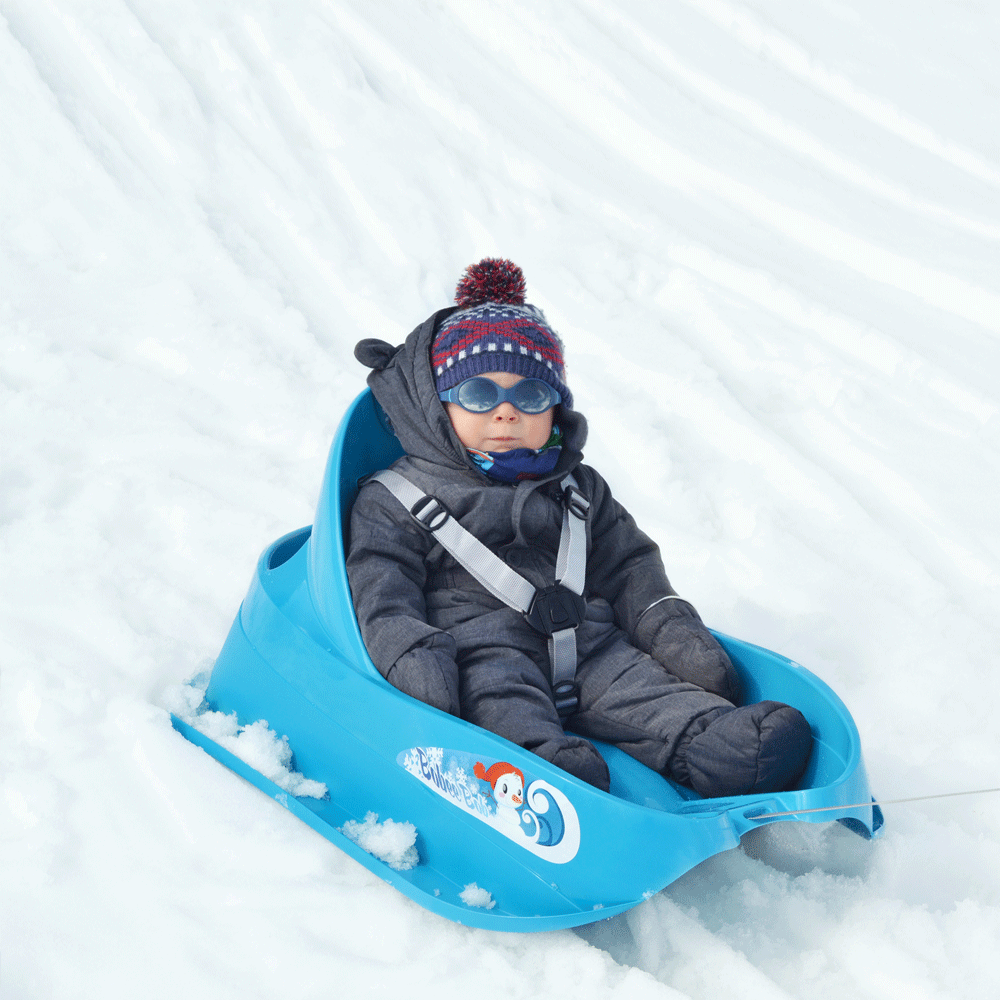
(505, 411)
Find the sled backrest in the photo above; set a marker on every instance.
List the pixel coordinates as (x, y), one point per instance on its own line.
(364, 443)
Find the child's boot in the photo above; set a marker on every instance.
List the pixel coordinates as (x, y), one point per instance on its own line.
(756, 748)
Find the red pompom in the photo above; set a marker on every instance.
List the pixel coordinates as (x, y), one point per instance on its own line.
(493, 279)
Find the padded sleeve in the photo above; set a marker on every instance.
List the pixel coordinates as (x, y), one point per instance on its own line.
(387, 573)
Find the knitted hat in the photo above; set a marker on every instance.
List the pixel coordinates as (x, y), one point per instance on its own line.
(496, 331)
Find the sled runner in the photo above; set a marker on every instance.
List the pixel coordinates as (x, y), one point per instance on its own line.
(550, 850)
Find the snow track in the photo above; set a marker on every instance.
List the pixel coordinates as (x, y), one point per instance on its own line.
(770, 235)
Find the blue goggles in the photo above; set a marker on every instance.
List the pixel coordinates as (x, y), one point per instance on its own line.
(480, 395)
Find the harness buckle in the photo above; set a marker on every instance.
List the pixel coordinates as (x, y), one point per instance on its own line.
(566, 695)
(554, 609)
(429, 513)
(576, 503)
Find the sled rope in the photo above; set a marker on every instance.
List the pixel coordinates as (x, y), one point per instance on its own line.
(886, 802)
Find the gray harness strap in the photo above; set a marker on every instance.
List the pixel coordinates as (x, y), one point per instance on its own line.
(554, 611)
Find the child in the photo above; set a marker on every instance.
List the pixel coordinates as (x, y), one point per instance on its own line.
(649, 676)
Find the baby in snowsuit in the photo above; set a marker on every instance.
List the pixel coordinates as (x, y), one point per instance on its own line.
(477, 396)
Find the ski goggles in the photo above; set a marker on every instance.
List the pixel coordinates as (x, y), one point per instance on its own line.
(481, 394)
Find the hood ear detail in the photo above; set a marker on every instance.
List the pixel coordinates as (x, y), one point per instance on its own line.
(377, 354)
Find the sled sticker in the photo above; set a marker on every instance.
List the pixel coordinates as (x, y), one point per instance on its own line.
(533, 814)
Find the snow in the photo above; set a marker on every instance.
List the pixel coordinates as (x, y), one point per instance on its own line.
(388, 841)
(255, 743)
(768, 232)
(472, 895)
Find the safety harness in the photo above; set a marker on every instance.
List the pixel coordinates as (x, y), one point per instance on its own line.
(554, 611)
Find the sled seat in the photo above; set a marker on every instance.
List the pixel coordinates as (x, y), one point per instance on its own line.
(365, 444)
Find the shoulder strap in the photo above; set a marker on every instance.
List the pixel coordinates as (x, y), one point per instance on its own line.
(485, 565)
(547, 613)
(571, 562)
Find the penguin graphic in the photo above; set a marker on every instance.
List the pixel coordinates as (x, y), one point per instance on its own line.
(507, 783)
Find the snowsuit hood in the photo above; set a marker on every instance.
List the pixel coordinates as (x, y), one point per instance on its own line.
(403, 382)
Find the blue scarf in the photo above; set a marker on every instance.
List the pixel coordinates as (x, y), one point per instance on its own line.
(520, 463)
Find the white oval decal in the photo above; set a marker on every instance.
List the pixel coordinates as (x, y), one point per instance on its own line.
(534, 814)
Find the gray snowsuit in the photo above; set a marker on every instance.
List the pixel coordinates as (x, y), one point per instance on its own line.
(652, 679)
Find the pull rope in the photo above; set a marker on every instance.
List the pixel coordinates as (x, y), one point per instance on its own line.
(862, 805)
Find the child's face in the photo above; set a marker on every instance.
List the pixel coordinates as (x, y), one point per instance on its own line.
(503, 428)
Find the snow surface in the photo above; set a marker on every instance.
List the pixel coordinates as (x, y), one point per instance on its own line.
(768, 232)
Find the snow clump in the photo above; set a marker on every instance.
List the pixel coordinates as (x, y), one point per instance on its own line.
(389, 841)
(472, 895)
(255, 744)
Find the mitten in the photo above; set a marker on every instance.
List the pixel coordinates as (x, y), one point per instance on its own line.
(429, 674)
(672, 633)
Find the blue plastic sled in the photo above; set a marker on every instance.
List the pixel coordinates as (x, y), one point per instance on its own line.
(551, 850)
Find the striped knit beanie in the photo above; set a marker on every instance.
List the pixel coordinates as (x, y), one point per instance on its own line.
(496, 331)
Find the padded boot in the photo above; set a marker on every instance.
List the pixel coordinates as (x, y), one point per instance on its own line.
(758, 748)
